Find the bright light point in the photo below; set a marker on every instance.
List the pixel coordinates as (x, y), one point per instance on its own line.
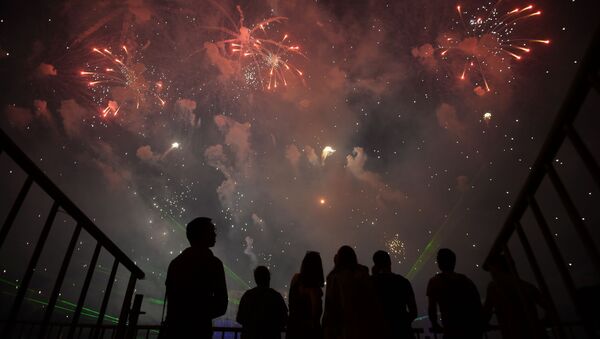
(487, 116)
(175, 145)
(327, 151)
(322, 201)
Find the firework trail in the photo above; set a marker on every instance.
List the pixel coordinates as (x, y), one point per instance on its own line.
(487, 41)
(109, 69)
(260, 56)
(174, 146)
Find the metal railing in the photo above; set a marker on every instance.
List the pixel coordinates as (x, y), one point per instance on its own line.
(563, 128)
(83, 223)
(138, 331)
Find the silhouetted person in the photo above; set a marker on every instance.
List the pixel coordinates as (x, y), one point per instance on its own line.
(262, 311)
(458, 299)
(587, 301)
(515, 303)
(351, 308)
(396, 297)
(196, 290)
(306, 299)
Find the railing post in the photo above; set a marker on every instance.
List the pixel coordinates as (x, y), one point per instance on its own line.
(24, 284)
(554, 250)
(582, 231)
(84, 289)
(558, 258)
(585, 154)
(134, 315)
(12, 215)
(539, 277)
(107, 292)
(125, 308)
(531, 320)
(59, 281)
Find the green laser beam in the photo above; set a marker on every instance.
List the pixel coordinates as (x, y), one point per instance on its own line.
(70, 307)
(236, 277)
(228, 270)
(434, 243)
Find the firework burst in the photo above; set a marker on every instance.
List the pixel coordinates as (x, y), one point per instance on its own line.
(486, 40)
(261, 57)
(396, 248)
(110, 70)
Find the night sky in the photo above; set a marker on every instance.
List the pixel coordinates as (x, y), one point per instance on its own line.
(150, 113)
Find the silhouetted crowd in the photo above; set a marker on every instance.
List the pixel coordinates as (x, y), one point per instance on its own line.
(357, 305)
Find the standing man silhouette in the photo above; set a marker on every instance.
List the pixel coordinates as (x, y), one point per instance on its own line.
(458, 299)
(196, 290)
(396, 297)
(262, 311)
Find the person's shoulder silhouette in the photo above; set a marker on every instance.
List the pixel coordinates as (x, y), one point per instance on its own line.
(306, 299)
(262, 311)
(351, 308)
(514, 301)
(196, 288)
(396, 296)
(458, 300)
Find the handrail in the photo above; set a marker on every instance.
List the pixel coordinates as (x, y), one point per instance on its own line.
(66, 204)
(567, 113)
(562, 128)
(60, 200)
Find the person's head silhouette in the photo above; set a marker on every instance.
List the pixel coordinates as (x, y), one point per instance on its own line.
(382, 262)
(262, 276)
(346, 258)
(311, 271)
(446, 260)
(201, 232)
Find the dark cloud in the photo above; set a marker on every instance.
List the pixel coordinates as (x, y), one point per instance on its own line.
(145, 153)
(448, 119)
(424, 54)
(19, 117)
(47, 70)
(73, 117)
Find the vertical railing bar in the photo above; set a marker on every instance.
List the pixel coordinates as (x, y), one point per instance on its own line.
(59, 280)
(554, 250)
(531, 320)
(134, 316)
(21, 330)
(557, 256)
(12, 215)
(580, 227)
(585, 154)
(113, 333)
(24, 284)
(539, 277)
(84, 289)
(107, 292)
(125, 307)
(595, 81)
(51, 329)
